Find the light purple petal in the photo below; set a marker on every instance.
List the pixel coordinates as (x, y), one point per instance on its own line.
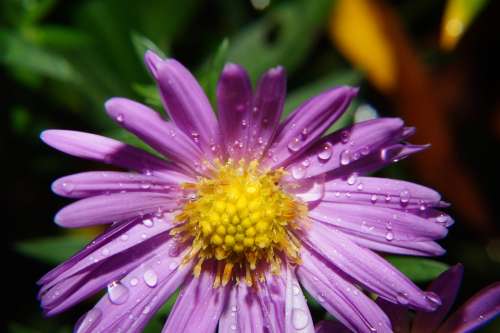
(340, 297)
(308, 123)
(134, 299)
(476, 312)
(272, 299)
(115, 207)
(339, 149)
(297, 316)
(426, 249)
(367, 268)
(234, 100)
(185, 102)
(161, 135)
(399, 315)
(113, 242)
(446, 286)
(330, 326)
(88, 184)
(378, 223)
(380, 192)
(267, 108)
(109, 151)
(85, 283)
(199, 305)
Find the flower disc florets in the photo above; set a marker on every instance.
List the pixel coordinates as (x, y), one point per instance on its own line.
(242, 218)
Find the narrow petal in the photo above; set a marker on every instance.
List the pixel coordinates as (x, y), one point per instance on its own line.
(377, 222)
(186, 103)
(426, 249)
(104, 209)
(88, 184)
(367, 268)
(297, 316)
(113, 242)
(399, 316)
(357, 141)
(109, 151)
(228, 322)
(476, 312)
(308, 123)
(268, 104)
(234, 100)
(134, 299)
(200, 300)
(161, 135)
(446, 286)
(339, 297)
(380, 192)
(86, 283)
(272, 299)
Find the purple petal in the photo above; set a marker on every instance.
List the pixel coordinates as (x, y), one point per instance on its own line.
(308, 123)
(399, 316)
(378, 223)
(85, 283)
(297, 316)
(267, 108)
(153, 130)
(186, 103)
(109, 151)
(115, 207)
(330, 326)
(426, 249)
(339, 297)
(234, 97)
(380, 192)
(476, 312)
(446, 286)
(88, 184)
(199, 305)
(272, 299)
(133, 300)
(367, 268)
(111, 243)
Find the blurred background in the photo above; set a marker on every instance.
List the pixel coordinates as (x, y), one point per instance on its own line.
(434, 63)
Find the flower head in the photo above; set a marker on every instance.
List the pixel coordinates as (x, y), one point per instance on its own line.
(241, 212)
(476, 312)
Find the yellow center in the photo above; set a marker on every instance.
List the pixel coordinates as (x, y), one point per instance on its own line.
(241, 218)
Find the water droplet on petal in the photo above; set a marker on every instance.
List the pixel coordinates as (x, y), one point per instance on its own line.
(352, 179)
(306, 163)
(300, 319)
(344, 137)
(148, 222)
(68, 187)
(89, 321)
(389, 236)
(296, 290)
(150, 278)
(373, 198)
(326, 152)
(173, 265)
(402, 298)
(404, 196)
(345, 157)
(298, 172)
(294, 145)
(124, 237)
(244, 123)
(119, 118)
(117, 292)
(134, 282)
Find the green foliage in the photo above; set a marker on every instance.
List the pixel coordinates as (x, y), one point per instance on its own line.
(419, 270)
(52, 250)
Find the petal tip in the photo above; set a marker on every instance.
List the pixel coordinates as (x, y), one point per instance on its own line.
(153, 62)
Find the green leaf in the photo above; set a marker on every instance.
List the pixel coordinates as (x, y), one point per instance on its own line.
(53, 250)
(142, 44)
(283, 36)
(419, 270)
(149, 93)
(127, 137)
(211, 72)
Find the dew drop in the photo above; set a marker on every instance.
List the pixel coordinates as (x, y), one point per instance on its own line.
(296, 290)
(404, 196)
(345, 157)
(134, 282)
(124, 237)
(365, 150)
(300, 320)
(117, 292)
(360, 187)
(146, 309)
(244, 123)
(233, 327)
(298, 172)
(294, 145)
(150, 278)
(305, 132)
(402, 298)
(389, 236)
(373, 198)
(105, 252)
(173, 265)
(306, 163)
(352, 179)
(326, 152)
(344, 137)
(442, 219)
(148, 222)
(68, 187)
(89, 321)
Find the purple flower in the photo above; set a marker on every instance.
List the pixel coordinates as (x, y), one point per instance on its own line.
(476, 312)
(242, 212)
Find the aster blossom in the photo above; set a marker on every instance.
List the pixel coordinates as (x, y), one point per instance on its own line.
(241, 212)
(477, 311)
